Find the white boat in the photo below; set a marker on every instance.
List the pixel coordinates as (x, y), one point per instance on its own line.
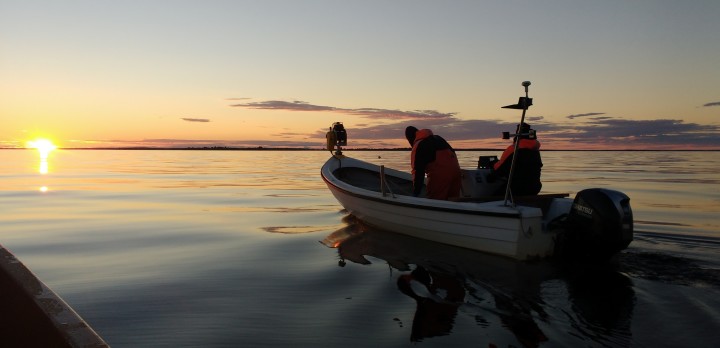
(596, 224)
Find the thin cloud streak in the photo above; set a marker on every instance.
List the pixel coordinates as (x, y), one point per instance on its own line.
(372, 113)
(534, 118)
(585, 115)
(712, 104)
(285, 105)
(397, 114)
(190, 119)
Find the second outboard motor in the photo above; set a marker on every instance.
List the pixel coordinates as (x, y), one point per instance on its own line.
(336, 138)
(599, 225)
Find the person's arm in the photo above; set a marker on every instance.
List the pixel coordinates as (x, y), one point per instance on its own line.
(418, 176)
(423, 156)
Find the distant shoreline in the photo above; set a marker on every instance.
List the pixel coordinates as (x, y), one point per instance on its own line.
(348, 149)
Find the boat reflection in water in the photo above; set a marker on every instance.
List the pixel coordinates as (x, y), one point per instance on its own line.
(536, 301)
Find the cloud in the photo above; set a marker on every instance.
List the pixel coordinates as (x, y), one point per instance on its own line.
(603, 131)
(596, 128)
(285, 105)
(454, 129)
(712, 104)
(534, 118)
(397, 114)
(189, 119)
(372, 113)
(643, 132)
(622, 127)
(585, 115)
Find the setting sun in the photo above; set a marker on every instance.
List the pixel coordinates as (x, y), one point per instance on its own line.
(42, 145)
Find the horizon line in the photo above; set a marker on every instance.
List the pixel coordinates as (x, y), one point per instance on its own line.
(261, 148)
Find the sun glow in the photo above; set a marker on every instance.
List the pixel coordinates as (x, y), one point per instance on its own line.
(44, 146)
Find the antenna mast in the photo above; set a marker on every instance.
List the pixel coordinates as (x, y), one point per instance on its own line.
(523, 103)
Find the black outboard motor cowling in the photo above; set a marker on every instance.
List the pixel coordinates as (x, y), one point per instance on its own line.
(599, 225)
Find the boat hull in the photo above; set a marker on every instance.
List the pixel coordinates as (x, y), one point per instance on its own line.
(491, 227)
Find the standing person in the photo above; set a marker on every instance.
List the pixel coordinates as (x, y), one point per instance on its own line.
(433, 155)
(526, 177)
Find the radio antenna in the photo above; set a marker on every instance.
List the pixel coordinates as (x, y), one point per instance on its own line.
(523, 103)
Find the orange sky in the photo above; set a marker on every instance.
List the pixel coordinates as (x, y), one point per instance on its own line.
(165, 73)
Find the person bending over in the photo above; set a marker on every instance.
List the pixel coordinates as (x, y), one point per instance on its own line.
(432, 155)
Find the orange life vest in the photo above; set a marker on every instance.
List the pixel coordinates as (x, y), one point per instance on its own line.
(443, 173)
(530, 144)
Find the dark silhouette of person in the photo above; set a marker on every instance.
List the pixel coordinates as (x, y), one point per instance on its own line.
(432, 155)
(526, 176)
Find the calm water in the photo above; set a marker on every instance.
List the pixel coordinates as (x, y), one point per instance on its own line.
(233, 248)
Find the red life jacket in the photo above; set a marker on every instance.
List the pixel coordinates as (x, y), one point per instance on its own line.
(443, 173)
(419, 136)
(530, 144)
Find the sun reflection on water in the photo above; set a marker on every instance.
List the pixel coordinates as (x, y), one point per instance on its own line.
(44, 169)
(44, 147)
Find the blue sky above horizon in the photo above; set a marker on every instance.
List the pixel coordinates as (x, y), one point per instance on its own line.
(641, 74)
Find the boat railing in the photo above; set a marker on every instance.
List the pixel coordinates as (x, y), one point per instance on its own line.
(384, 184)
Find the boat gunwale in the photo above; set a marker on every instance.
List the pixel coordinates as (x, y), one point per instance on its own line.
(516, 214)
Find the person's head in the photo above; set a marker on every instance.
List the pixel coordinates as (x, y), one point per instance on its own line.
(410, 132)
(523, 129)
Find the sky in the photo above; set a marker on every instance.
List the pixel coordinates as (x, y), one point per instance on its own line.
(174, 73)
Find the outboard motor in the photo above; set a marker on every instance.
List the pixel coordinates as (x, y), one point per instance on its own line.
(599, 225)
(336, 138)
